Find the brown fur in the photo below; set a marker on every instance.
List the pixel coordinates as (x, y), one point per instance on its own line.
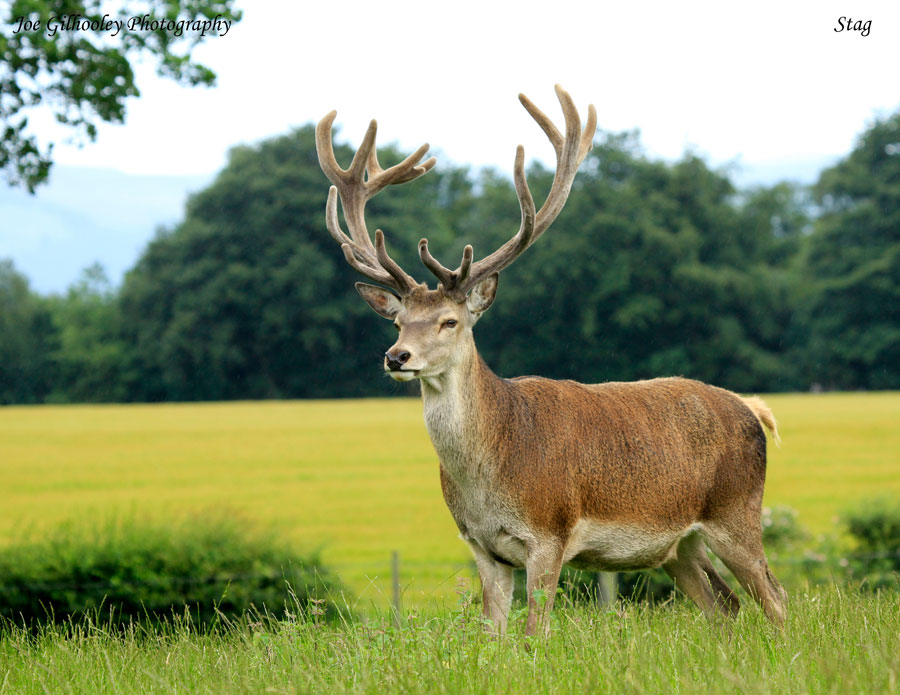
(695, 446)
(658, 456)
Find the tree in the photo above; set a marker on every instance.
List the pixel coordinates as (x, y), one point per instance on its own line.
(91, 360)
(27, 340)
(853, 264)
(60, 54)
(780, 218)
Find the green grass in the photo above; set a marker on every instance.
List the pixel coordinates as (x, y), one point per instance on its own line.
(834, 642)
(359, 478)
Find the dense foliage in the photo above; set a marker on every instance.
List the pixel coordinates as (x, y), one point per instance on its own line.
(875, 556)
(652, 269)
(27, 338)
(853, 266)
(129, 570)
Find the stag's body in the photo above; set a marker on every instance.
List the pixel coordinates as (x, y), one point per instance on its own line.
(614, 474)
(537, 472)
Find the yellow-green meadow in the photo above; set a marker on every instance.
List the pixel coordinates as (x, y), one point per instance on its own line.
(359, 478)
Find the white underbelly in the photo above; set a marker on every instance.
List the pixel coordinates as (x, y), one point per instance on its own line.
(599, 545)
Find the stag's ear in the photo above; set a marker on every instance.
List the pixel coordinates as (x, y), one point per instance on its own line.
(482, 295)
(383, 301)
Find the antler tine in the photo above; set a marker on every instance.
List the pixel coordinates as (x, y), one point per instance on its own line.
(325, 150)
(390, 265)
(331, 219)
(375, 274)
(568, 158)
(545, 123)
(444, 275)
(359, 258)
(355, 186)
(466, 264)
(404, 172)
(526, 201)
(358, 165)
(416, 171)
(571, 150)
(587, 137)
(450, 280)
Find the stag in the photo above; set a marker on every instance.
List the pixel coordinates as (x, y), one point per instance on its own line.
(539, 473)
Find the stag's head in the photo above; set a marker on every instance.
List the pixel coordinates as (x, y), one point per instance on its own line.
(435, 326)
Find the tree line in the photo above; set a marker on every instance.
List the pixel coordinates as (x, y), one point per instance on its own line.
(653, 268)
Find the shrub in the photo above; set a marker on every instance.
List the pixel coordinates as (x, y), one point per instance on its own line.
(138, 570)
(781, 529)
(875, 531)
(787, 545)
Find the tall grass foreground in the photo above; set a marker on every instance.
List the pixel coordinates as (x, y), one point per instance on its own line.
(835, 641)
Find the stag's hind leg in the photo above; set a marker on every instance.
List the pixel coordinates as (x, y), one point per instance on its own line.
(741, 549)
(694, 574)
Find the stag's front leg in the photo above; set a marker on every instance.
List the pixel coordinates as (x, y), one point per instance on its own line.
(496, 589)
(543, 566)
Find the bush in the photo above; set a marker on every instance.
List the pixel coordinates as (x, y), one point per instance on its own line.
(875, 531)
(781, 529)
(137, 570)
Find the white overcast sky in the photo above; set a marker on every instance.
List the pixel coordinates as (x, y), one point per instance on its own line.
(746, 82)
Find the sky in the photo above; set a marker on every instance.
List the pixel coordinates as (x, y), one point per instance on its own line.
(764, 87)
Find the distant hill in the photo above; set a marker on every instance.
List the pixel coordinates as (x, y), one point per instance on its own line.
(86, 215)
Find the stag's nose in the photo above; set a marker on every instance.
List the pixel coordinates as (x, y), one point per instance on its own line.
(396, 359)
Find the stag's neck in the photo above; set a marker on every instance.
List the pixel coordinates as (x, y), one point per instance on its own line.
(454, 408)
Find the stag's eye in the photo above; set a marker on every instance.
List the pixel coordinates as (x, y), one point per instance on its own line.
(449, 323)
(397, 326)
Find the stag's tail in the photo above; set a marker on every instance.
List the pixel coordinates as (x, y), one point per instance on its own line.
(763, 414)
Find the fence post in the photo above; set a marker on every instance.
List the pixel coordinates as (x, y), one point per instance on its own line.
(395, 583)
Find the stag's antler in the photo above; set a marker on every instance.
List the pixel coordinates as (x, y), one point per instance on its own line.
(570, 152)
(365, 177)
(355, 185)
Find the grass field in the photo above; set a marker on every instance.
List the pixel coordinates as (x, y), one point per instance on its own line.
(360, 478)
(833, 643)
